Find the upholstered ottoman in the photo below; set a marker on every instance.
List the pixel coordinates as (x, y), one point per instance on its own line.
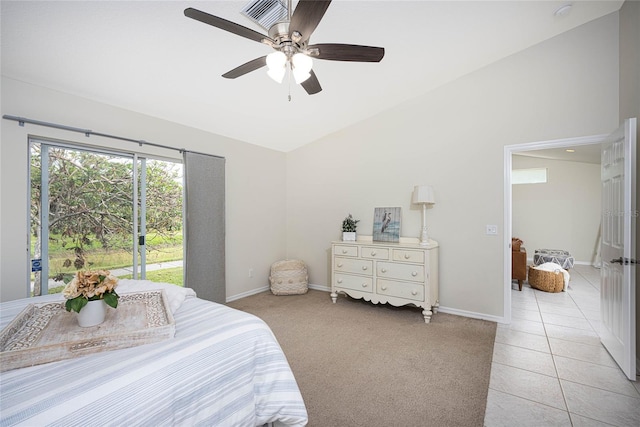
(562, 258)
(289, 277)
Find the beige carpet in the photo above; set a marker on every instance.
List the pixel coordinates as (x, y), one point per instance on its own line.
(360, 364)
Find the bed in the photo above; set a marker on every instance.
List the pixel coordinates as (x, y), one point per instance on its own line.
(223, 367)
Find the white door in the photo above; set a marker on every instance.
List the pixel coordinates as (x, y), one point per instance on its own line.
(617, 286)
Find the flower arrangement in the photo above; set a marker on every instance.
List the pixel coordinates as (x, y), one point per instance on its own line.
(91, 286)
(350, 224)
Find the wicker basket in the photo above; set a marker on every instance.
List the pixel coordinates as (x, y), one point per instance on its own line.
(289, 277)
(548, 281)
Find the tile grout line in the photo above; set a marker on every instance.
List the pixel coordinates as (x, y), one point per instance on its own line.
(553, 360)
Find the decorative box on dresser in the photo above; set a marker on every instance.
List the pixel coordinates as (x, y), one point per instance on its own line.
(381, 272)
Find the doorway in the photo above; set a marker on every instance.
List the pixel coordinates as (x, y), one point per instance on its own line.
(99, 210)
(546, 147)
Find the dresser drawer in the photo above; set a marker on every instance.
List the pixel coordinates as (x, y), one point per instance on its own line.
(346, 250)
(372, 252)
(403, 290)
(407, 255)
(415, 273)
(357, 283)
(354, 266)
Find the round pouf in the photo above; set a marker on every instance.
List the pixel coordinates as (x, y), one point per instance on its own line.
(289, 277)
(560, 257)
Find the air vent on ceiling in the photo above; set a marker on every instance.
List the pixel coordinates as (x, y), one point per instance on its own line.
(265, 12)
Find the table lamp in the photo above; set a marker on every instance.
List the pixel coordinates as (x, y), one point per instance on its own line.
(423, 194)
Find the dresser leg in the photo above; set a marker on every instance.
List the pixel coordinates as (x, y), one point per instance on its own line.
(334, 297)
(436, 307)
(427, 315)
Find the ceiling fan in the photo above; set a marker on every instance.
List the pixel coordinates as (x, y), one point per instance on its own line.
(289, 37)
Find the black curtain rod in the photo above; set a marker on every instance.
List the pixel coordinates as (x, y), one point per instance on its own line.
(87, 132)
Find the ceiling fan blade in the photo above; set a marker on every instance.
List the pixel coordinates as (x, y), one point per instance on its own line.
(246, 68)
(223, 24)
(307, 16)
(347, 52)
(311, 85)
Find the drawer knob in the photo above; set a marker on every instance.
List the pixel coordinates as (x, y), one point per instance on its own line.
(364, 285)
(339, 280)
(339, 264)
(384, 288)
(364, 267)
(344, 251)
(414, 293)
(373, 253)
(414, 274)
(290, 280)
(384, 270)
(407, 256)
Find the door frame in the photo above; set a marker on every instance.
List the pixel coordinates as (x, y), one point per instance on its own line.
(509, 150)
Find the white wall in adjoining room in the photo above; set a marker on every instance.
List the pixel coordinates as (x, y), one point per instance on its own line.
(453, 138)
(563, 213)
(255, 179)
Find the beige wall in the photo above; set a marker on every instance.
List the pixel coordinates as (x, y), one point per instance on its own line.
(453, 138)
(563, 213)
(255, 180)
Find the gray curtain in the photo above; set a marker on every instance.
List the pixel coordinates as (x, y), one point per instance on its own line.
(204, 204)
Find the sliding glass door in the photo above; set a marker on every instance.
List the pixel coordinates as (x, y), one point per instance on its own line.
(92, 210)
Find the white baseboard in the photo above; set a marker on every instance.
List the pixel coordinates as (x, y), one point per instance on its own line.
(267, 287)
(471, 314)
(247, 294)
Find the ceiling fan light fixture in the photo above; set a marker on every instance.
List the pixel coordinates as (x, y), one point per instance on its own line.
(301, 67)
(277, 74)
(276, 62)
(300, 77)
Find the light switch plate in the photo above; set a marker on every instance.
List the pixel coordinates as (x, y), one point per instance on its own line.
(492, 230)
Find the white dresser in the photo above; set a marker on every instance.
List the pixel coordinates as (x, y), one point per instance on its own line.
(394, 273)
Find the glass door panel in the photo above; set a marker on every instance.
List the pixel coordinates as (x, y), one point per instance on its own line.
(82, 219)
(163, 250)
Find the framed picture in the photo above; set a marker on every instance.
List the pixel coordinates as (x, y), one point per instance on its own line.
(386, 224)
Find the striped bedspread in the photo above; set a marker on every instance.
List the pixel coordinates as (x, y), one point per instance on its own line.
(223, 368)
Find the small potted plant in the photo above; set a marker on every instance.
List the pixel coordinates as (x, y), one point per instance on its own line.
(349, 226)
(89, 293)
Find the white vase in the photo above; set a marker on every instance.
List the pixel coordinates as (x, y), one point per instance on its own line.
(92, 314)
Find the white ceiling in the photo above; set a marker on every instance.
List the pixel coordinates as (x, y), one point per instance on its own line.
(146, 56)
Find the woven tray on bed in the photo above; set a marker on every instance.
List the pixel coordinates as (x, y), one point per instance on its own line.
(548, 281)
(46, 332)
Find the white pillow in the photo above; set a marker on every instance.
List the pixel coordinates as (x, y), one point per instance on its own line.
(175, 294)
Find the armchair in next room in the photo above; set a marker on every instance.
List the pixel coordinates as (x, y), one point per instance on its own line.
(518, 262)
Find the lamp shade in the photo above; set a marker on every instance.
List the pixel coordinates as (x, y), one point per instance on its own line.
(276, 62)
(423, 194)
(301, 67)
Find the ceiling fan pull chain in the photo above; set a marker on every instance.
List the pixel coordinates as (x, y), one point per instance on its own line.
(289, 84)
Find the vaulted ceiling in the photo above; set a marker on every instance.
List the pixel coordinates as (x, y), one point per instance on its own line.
(146, 56)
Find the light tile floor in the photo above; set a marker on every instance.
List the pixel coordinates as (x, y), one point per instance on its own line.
(549, 368)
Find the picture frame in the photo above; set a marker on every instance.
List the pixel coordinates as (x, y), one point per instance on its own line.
(386, 224)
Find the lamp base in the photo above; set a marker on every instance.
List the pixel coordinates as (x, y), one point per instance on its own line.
(424, 238)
